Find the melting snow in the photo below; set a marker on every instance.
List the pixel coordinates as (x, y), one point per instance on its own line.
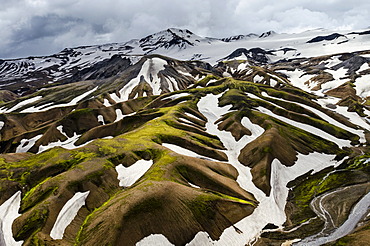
(363, 86)
(193, 185)
(183, 151)
(149, 71)
(357, 213)
(71, 103)
(67, 144)
(313, 130)
(325, 117)
(101, 119)
(26, 144)
(353, 117)
(257, 79)
(8, 213)
(154, 240)
(67, 214)
(252, 225)
(127, 176)
(106, 103)
(193, 116)
(175, 96)
(120, 116)
(21, 104)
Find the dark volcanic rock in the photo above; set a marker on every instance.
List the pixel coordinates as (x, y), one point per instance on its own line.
(256, 54)
(325, 38)
(104, 69)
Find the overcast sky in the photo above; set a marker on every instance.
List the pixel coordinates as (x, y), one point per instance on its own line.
(42, 27)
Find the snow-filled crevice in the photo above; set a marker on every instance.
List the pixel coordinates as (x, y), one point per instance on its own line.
(358, 212)
(120, 115)
(154, 240)
(8, 213)
(69, 143)
(20, 104)
(149, 71)
(127, 176)
(67, 214)
(313, 130)
(325, 117)
(101, 119)
(252, 225)
(26, 144)
(187, 152)
(178, 95)
(48, 106)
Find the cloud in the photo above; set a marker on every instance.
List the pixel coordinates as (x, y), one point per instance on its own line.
(40, 27)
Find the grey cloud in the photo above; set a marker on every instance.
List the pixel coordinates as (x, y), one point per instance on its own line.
(37, 27)
(40, 27)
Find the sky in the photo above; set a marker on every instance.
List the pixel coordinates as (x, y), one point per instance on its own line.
(44, 27)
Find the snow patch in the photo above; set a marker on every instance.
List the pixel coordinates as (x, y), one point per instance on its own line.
(323, 116)
(67, 214)
(1, 125)
(193, 116)
(149, 71)
(26, 144)
(8, 213)
(69, 143)
(362, 86)
(21, 104)
(193, 185)
(252, 225)
(175, 96)
(308, 128)
(127, 176)
(257, 79)
(106, 103)
(154, 240)
(353, 117)
(183, 151)
(101, 119)
(71, 103)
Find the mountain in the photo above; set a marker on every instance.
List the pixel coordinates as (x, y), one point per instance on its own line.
(178, 139)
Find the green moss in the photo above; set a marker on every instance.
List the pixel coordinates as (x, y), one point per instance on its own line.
(203, 82)
(146, 206)
(80, 112)
(107, 150)
(80, 237)
(35, 221)
(359, 162)
(36, 195)
(158, 170)
(202, 207)
(36, 241)
(2, 163)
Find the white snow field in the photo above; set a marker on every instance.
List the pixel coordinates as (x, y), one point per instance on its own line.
(127, 176)
(252, 225)
(8, 213)
(67, 214)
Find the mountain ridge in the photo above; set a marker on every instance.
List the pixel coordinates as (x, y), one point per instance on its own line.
(257, 141)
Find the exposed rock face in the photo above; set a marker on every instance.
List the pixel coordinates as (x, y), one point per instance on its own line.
(7, 96)
(325, 38)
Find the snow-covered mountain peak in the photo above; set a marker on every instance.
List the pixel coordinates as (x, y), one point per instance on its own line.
(172, 37)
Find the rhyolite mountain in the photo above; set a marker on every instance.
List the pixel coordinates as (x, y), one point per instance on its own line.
(177, 139)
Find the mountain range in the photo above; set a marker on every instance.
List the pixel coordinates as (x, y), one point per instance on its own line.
(178, 139)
